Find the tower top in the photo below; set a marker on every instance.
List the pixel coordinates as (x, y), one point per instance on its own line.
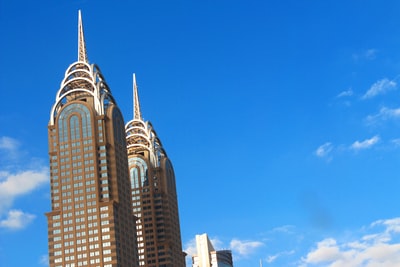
(140, 134)
(82, 55)
(137, 115)
(82, 82)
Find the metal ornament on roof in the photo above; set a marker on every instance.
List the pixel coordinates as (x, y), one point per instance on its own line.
(82, 80)
(82, 54)
(140, 135)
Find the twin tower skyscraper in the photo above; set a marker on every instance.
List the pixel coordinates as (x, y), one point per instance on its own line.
(113, 192)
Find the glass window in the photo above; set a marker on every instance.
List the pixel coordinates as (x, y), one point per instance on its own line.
(138, 172)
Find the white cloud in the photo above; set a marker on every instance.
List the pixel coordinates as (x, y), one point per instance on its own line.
(395, 142)
(380, 87)
(14, 185)
(238, 247)
(324, 150)
(384, 114)
(358, 145)
(190, 247)
(8, 143)
(392, 225)
(16, 180)
(375, 249)
(345, 93)
(191, 250)
(272, 258)
(16, 219)
(326, 251)
(9, 149)
(244, 248)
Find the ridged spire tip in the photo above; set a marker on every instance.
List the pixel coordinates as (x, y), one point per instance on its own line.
(82, 55)
(136, 105)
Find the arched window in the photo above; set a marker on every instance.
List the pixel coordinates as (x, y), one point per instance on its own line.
(78, 117)
(138, 172)
(74, 127)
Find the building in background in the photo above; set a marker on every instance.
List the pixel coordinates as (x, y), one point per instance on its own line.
(207, 256)
(91, 221)
(154, 195)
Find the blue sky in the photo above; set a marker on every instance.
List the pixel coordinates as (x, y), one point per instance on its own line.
(282, 119)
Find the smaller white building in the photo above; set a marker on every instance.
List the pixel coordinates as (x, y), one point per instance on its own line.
(207, 256)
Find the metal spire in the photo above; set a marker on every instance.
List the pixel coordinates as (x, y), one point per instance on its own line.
(82, 55)
(136, 106)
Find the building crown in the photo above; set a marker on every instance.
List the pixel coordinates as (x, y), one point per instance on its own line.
(140, 135)
(82, 81)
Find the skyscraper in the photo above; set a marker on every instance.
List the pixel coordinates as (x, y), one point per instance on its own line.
(154, 195)
(91, 221)
(207, 256)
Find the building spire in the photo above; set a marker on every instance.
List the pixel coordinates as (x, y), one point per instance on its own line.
(136, 105)
(82, 55)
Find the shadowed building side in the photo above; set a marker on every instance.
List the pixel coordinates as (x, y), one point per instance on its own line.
(154, 197)
(91, 221)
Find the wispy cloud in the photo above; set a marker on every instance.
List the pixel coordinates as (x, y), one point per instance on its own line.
(384, 114)
(17, 181)
(191, 249)
(324, 150)
(44, 260)
(13, 185)
(368, 54)
(395, 142)
(379, 247)
(16, 219)
(284, 229)
(346, 93)
(8, 143)
(367, 143)
(240, 248)
(272, 258)
(380, 87)
(244, 247)
(8, 146)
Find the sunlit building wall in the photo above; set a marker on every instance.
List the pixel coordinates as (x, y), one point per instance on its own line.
(207, 256)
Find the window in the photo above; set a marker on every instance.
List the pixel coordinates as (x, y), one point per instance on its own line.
(77, 122)
(138, 172)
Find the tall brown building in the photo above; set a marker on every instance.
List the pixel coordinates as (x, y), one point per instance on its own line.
(91, 221)
(154, 195)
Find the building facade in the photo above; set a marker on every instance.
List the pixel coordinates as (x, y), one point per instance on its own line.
(154, 195)
(91, 221)
(207, 256)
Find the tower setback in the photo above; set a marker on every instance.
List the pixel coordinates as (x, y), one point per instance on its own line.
(91, 222)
